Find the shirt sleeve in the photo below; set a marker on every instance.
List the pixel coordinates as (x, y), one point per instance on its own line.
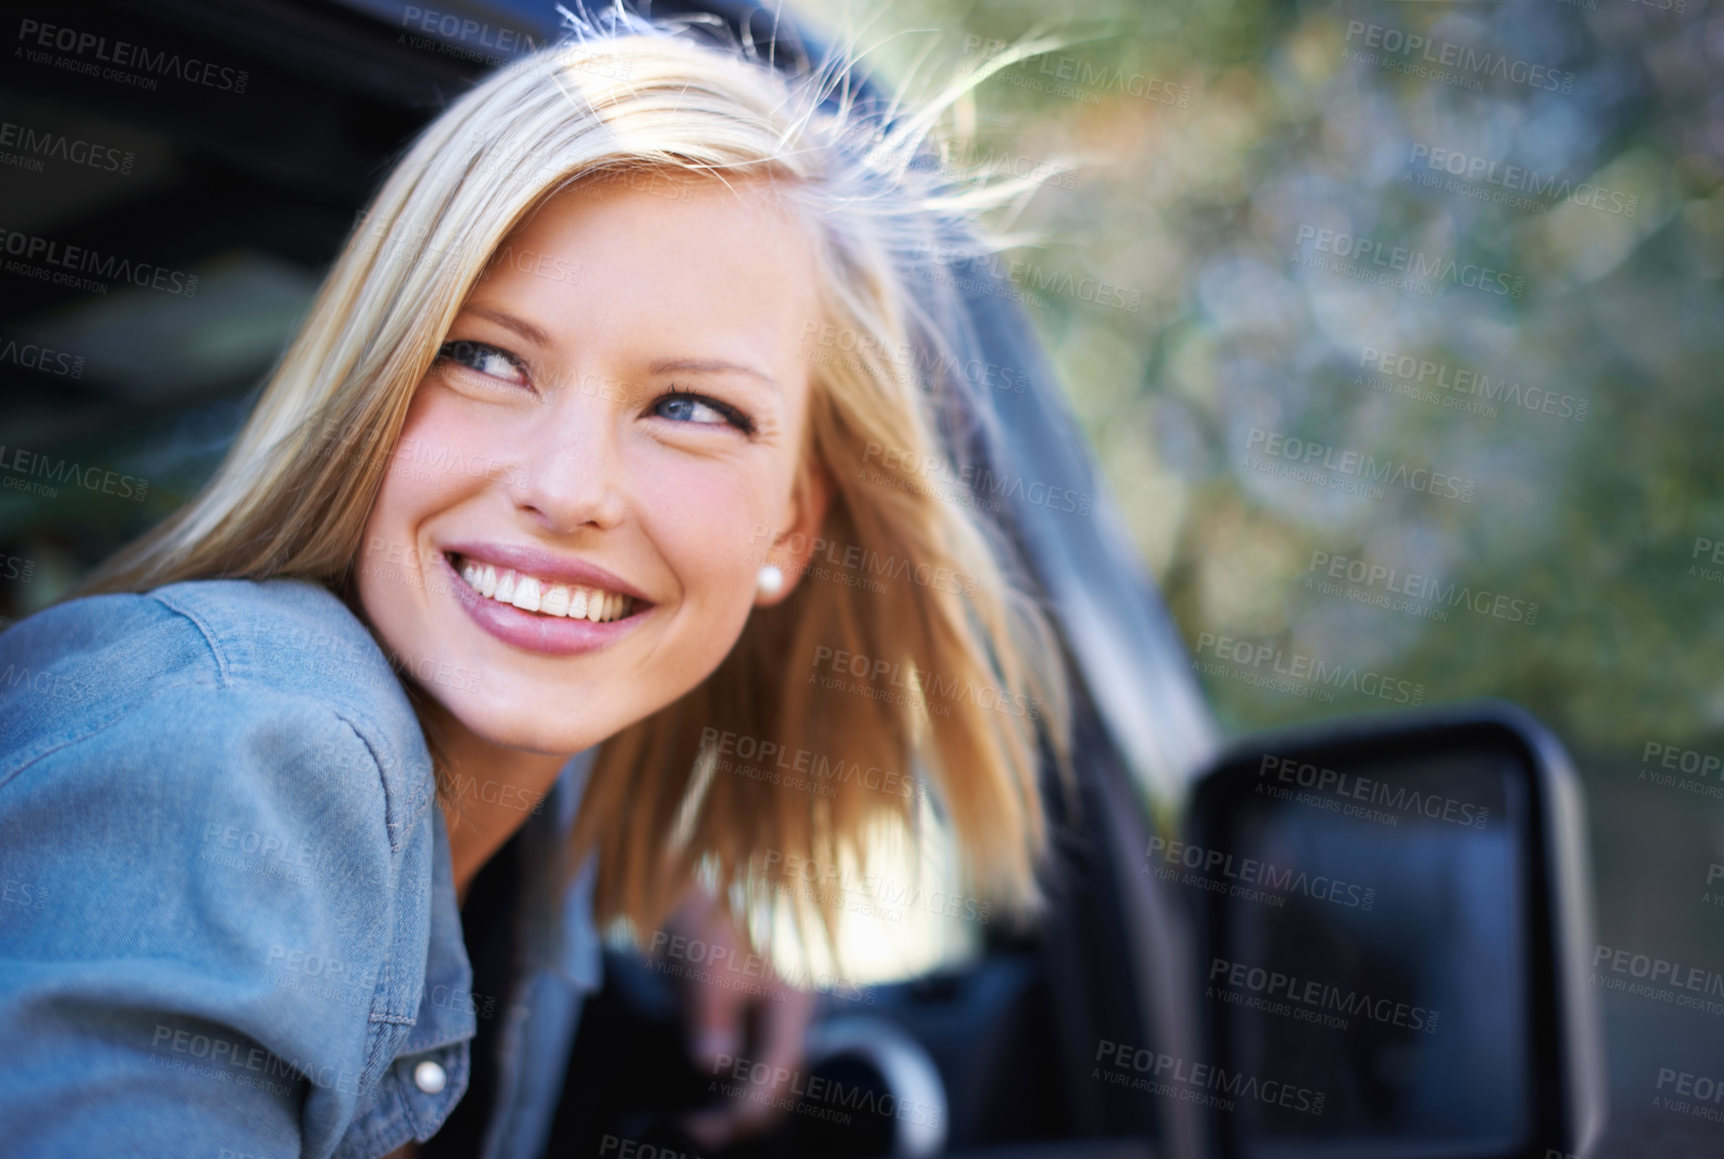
(200, 903)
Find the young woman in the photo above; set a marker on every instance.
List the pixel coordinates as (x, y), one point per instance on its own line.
(633, 329)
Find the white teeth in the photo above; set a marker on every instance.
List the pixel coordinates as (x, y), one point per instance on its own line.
(556, 601)
(531, 594)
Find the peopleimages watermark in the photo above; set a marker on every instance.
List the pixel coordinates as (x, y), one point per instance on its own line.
(1714, 876)
(853, 565)
(1689, 770)
(413, 242)
(42, 682)
(1392, 802)
(815, 1096)
(1422, 596)
(1297, 672)
(23, 894)
(843, 666)
(320, 975)
(97, 56)
(243, 1062)
(1075, 79)
(1397, 266)
(729, 968)
(447, 997)
(35, 147)
(930, 691)
(895, 463)
(1711, 551)
(16, 567)
(26, 470)
(354, 658)
(800, 768)
(399, 240)
(1308, 1000)
(41, 359)
(873, 894)
(422, 570)
(1515, 186)
(550, 267)
(1460, 388)
(962, 160)
(1445, 61)
(415, 458)
(622, 1147)
(828, 344)
(455, 35)
(1200, 1083)
(407, 564)
(1019, 280)
(1248, 878)
(59, 264)
(254, 851)
(1348, 471)
(1666, 981)
(1698, 1095)
(465, 790)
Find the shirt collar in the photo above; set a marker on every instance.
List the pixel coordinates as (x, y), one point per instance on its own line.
(558, 932)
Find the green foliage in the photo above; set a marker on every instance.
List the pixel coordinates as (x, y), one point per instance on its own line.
(1212, 208)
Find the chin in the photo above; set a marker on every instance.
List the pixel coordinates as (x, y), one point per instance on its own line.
(562, 725)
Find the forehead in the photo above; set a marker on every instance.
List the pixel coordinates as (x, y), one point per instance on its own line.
(691, 249)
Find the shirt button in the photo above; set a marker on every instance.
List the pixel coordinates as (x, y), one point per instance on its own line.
(429, 1077)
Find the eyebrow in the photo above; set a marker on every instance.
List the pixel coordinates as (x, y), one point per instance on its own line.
(710, 366)
(538, 337)
(520, 326)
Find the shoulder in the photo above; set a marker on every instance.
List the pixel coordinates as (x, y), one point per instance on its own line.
(294, 638)
(217, 664)
(229, 858)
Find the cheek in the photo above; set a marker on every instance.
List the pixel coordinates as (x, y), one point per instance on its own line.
(712, 524)
(421, 480)
(418, 482)
(446, 451)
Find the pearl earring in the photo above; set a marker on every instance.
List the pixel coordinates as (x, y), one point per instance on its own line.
(769, 582)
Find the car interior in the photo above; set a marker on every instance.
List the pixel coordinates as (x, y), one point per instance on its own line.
(992, 1053)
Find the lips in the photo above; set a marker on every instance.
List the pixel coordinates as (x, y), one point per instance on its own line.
(539, 602)
(543, 595)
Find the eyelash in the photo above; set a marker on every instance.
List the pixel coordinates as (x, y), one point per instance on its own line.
(446, 353)
(733, 415)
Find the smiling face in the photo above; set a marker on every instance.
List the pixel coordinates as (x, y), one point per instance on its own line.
(569, 534)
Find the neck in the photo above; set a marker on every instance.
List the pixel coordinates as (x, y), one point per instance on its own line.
(496, 789)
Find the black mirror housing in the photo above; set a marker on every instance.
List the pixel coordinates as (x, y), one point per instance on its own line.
(1396, 918)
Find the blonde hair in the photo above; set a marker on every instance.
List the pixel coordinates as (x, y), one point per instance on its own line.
(960, 680)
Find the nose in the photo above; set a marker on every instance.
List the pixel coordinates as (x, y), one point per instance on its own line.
(570, 474)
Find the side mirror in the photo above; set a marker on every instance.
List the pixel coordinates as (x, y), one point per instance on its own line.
(1396, 921)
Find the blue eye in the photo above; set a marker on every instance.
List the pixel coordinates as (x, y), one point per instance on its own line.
(682, 407)
(483, 359)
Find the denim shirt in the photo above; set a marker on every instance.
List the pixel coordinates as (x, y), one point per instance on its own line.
(228, 924)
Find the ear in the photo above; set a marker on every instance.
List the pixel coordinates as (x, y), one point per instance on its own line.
(798, 536)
